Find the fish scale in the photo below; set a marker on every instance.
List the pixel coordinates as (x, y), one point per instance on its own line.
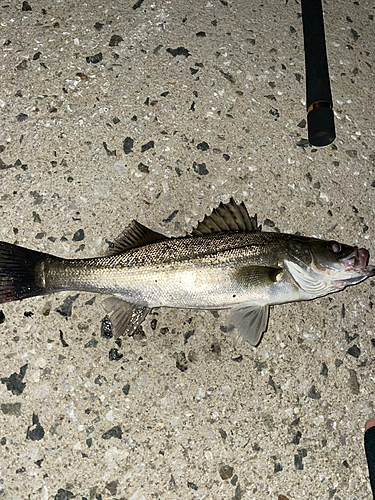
(180, 272)
(226, 263)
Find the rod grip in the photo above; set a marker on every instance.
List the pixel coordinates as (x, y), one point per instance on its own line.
(320, 119)
(370, 455)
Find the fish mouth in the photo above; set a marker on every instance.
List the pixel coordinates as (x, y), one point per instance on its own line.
(357, 260)
(356, 263)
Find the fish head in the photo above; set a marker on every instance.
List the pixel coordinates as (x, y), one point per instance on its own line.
(320, 267)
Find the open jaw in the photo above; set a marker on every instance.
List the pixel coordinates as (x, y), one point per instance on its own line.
(357, 260)
(356, 264)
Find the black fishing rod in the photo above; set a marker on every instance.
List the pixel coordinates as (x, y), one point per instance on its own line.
(320, 121)
(370, 452)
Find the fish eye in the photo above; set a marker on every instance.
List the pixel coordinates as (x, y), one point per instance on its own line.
(334, 247)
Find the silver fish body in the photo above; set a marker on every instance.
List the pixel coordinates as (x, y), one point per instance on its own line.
(226, 263)
(197, 272)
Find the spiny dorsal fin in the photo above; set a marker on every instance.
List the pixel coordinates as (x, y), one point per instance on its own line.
(134, 236)
(227, 217)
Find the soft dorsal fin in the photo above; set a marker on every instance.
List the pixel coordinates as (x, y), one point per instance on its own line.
(227, 217)
(134, 236)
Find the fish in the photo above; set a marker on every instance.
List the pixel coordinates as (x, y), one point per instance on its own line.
(226, 262)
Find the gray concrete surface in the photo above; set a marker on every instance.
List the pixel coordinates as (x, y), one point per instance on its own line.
(106, 112)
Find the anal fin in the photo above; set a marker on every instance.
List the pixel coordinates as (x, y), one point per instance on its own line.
(250, 320)
(125, 317)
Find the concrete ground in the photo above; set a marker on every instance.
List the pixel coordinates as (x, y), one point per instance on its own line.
(157, 111)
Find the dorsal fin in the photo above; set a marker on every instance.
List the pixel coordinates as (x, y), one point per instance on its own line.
(134, 236)
(227, 217)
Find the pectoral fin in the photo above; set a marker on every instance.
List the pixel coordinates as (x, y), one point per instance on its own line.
(256, 276)
(250, 321)
(125, 317)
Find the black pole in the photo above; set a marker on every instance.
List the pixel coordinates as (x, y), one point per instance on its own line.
(370, 455)
(320, 122)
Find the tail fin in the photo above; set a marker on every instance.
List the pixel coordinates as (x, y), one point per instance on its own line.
(18, 275)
